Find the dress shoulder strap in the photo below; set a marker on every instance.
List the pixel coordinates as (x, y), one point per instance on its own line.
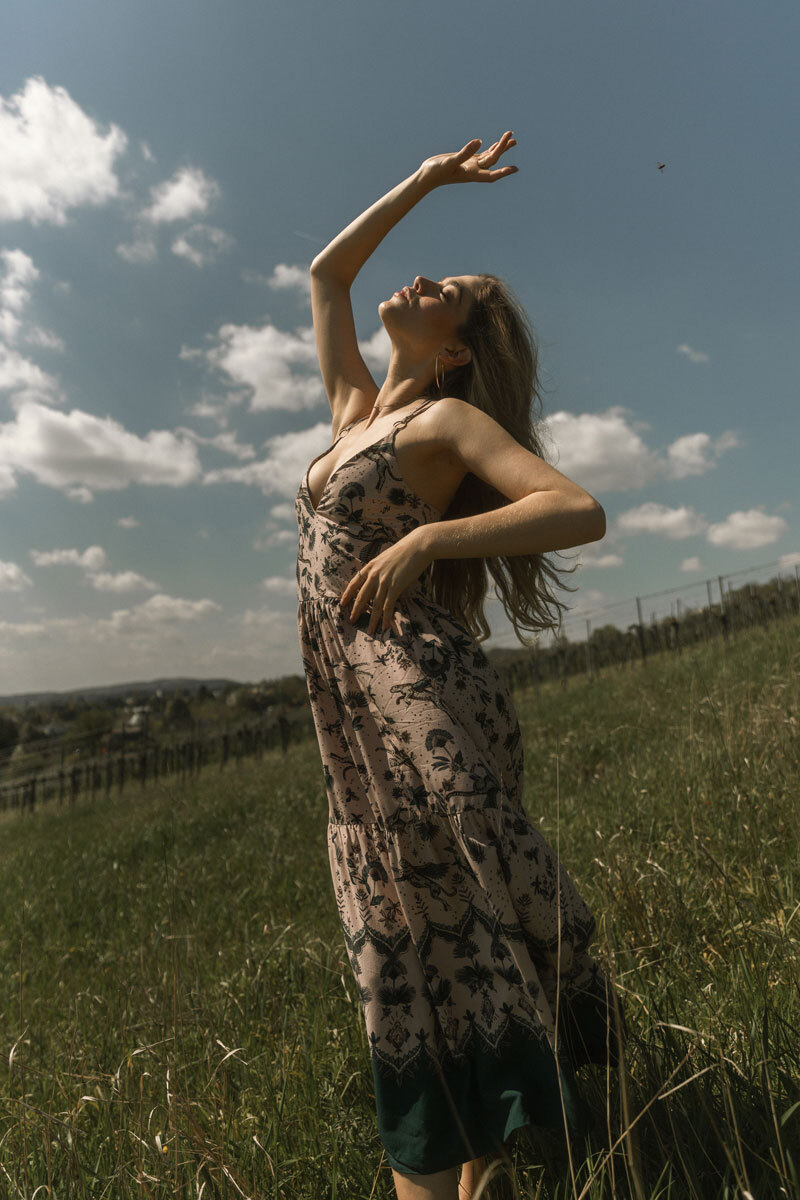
(404, 420)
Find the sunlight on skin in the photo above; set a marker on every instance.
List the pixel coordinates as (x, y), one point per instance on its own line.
(443, 1185)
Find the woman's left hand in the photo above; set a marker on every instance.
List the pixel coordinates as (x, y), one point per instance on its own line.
(385, 577)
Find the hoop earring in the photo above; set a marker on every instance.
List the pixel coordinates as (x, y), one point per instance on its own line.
(439, 382)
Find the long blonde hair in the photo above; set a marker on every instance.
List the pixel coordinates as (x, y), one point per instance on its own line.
(502, 380)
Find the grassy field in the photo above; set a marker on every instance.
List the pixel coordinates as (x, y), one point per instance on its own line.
(179, 1018)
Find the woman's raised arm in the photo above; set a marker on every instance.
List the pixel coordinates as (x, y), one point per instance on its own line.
(334, 268)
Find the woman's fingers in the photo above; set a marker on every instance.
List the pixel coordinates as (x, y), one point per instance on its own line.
(470, 148)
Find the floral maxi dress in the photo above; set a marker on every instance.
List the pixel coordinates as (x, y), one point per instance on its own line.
(465, 934)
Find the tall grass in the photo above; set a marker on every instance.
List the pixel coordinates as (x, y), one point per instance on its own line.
(179, 1019)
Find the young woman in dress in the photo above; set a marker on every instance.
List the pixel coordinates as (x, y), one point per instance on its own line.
(466, 935)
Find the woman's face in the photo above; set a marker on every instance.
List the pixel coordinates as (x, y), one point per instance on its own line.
(426, 315)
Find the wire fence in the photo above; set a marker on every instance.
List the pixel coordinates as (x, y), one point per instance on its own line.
(620, 634)
(635, 629)
(146, 761)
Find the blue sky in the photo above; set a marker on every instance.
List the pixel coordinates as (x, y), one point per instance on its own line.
(168, 172)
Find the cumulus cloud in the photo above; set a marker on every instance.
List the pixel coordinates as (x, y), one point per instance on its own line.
(280, 473)
(55, 157)
(588, 600)
(18, 274)
(790, 560)
(25, 380)
(18, 373)
(691, 565)
(650, 517)
(80, 453)
(276, 368)
(91, 559)
(593, 558)
(201, 244)
(12, 577)
(128, 523)
(158, 612)
(376, 349)
(281, 585)
(693, 355)
(122, 581)
(696, 453)
(605, 452)
(275, 536)
(142, 249)
(294, 278)
(188, 193)
(746, 530)
(221, 441)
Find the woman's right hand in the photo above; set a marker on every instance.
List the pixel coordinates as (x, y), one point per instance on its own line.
(470, 165)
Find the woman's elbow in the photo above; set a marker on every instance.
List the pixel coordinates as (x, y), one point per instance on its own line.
(595, 521)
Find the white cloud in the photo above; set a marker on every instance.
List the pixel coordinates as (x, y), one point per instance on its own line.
(214, 408)
(19, 273)
(8, 482)
(693, 355)
(80, 453)
(36, 336)
(282, 585)
(55, 157)
(659, 518)
(19, 374)
(691, 565)
(201, 244)
(91, 559)
(159, 612)
(278, 369)
(221, 441)
(588, 599)
(376, 350)
(601, 451)
(13, 578)
(275, 537)
(141, 250)
(188, 193)
(123, 581)
(128, 523)
(605, 452)
(281, 472)
(282, 512)
(163, 635)
(596, 559)
(696, 453)
(747, 530)
(790, 560)
(26, 380)
(291, 278)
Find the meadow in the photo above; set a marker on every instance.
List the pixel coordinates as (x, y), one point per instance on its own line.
(179, 1018)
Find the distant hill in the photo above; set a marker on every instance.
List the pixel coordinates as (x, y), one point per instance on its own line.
(23, 699)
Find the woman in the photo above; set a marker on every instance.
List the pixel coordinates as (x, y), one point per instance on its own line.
(479, 996)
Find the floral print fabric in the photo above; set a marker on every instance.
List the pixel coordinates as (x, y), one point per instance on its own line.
(465, 934)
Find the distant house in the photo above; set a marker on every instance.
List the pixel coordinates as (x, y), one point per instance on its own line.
(54, 728)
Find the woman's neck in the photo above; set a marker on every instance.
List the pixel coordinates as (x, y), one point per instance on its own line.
(405, 381)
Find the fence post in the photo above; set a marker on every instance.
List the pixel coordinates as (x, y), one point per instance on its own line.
(641, 631)
(588, 648)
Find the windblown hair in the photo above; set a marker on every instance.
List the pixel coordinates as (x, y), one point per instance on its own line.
(502, 379)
